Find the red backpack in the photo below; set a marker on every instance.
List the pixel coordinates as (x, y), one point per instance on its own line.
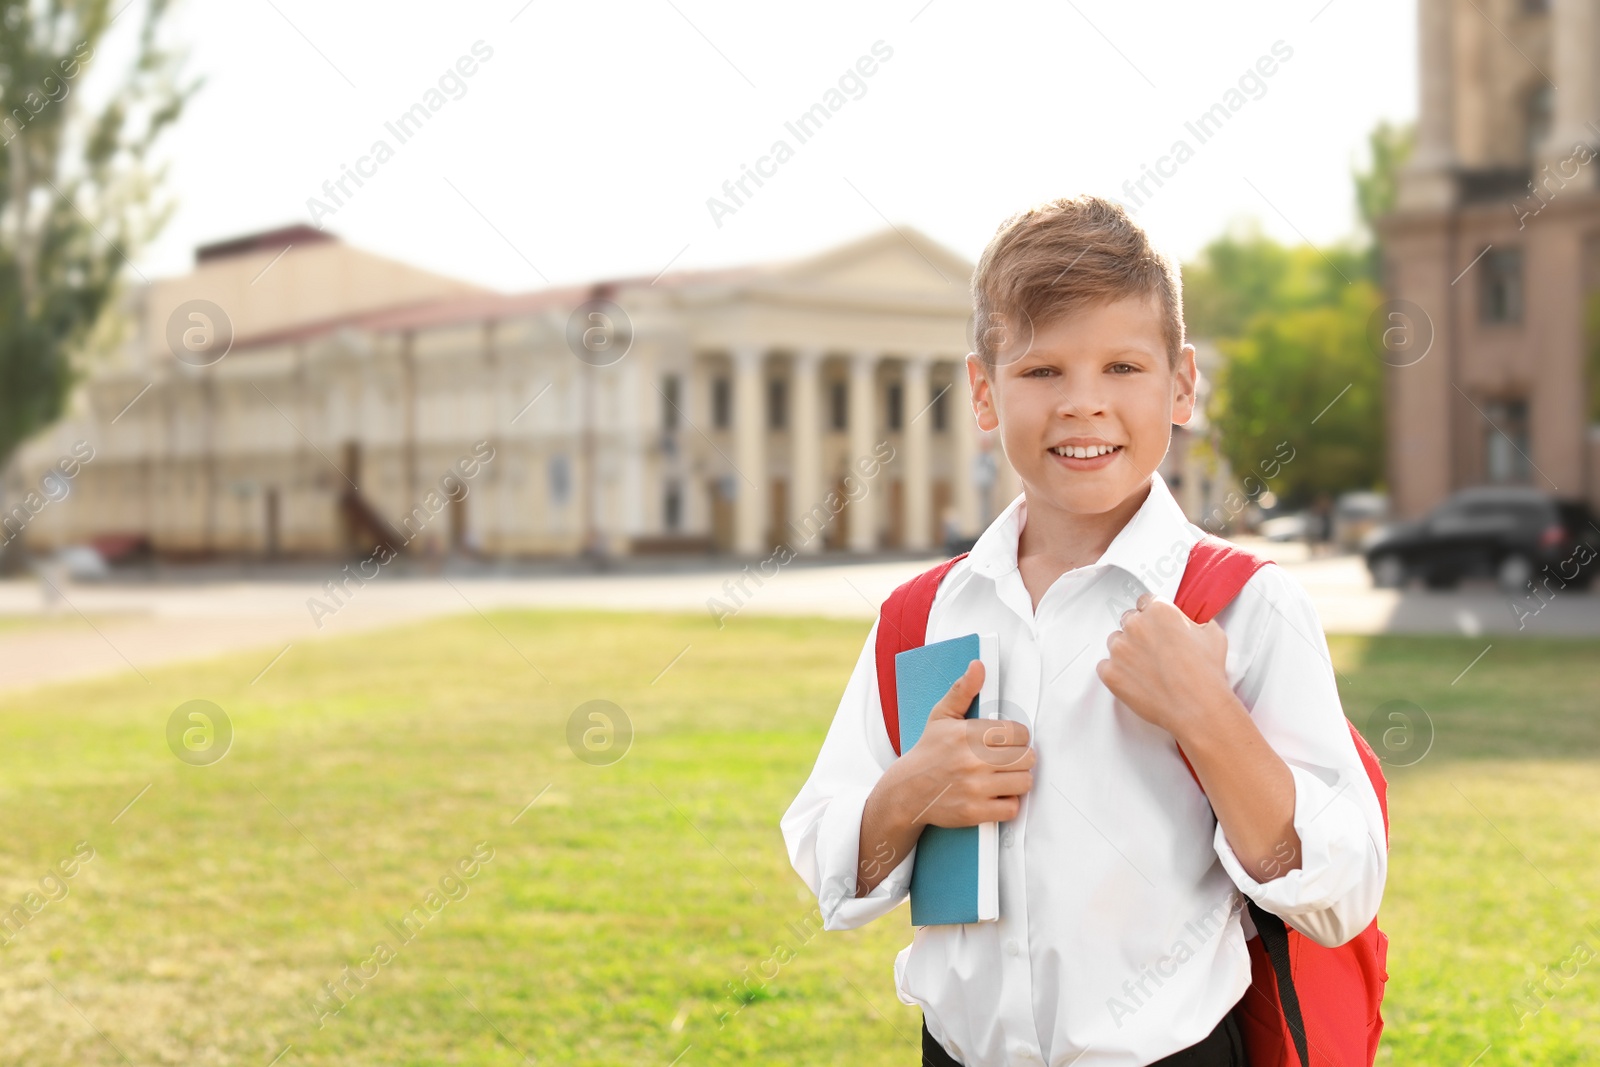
(1319, 1004)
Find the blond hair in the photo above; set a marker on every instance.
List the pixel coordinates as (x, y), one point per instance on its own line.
(1064, 255)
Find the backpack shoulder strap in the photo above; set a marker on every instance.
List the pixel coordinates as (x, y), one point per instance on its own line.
(902, 625)
(1216, 572)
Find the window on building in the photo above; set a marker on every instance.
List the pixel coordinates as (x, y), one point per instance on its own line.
(721, 404)
(672, 508)
(560, 479)
(1540, 114)
(939, 409)
(1500, 297)
(670, 386)
(838, 406)
(1506, 443)
(777, 403)
(895, 399)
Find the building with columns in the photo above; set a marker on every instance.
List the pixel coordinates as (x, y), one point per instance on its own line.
(294, 396)
(1492, 256)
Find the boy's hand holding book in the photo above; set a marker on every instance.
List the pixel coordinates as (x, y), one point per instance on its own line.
(961, 772)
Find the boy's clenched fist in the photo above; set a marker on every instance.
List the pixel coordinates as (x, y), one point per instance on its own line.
(1167, 668)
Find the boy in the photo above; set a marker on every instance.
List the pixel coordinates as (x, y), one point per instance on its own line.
(1121, 937)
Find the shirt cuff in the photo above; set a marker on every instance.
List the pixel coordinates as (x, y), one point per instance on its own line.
(1334, 893)
(838, 852)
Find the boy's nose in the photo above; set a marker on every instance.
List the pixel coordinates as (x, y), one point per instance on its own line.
(1084, 402)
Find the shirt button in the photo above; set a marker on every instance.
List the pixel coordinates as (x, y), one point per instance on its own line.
(1011, 948)
(1007, 838)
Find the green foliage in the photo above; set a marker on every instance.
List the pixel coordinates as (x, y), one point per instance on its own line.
(1244, 273)
(1592, 368)
(1376, 187)
(1292, 323)
(69, 227)
(1305, 375)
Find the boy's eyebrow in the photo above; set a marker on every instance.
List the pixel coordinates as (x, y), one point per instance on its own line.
(1047, 355)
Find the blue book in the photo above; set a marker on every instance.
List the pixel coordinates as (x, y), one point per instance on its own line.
(955, 876)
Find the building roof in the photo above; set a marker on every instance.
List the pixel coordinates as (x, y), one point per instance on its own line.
(490, 306)
(263, 241)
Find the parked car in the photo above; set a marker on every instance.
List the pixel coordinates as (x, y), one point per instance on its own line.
(72, 561)
(1284, 527)
(1508, 533)
(1355, 516)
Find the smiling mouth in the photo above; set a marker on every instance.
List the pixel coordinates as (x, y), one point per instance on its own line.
(1085, 451)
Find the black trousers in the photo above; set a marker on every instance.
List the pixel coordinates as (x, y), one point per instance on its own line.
(1223, 1047)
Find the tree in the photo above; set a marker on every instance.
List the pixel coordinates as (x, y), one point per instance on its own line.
(1304, 383)
(1376, 187)
(1244, 273)
(75, 192)
(1292, 325)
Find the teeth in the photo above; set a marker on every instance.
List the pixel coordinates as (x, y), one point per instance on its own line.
(1084, 451)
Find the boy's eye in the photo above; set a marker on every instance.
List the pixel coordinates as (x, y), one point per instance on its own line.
(1123, 368)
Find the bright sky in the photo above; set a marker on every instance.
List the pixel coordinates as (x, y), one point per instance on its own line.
(588, 143)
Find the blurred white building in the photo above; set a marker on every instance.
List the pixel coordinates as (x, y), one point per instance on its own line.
(325, 396)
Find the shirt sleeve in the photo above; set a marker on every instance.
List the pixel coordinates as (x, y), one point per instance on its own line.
(1288, 685)
(822, 828)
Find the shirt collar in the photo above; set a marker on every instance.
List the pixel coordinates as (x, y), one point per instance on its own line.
(1153, 546)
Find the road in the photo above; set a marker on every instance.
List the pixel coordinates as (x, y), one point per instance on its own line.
(105, 627)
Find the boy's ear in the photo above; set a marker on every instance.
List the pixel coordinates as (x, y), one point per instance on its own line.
(982, 393)
(1185, 382)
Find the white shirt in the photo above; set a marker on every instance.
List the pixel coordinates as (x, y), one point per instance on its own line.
(1121, 936)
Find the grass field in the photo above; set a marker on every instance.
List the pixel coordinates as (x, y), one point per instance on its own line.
(612, 921)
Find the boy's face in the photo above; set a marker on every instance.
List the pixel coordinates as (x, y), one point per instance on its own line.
(1098, 376)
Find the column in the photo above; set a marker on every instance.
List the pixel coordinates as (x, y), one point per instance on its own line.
(749, 458)
(1426, 183)
(964, 434)
(917, 488)
(1573, 43)
(808, 515)
(863, 408)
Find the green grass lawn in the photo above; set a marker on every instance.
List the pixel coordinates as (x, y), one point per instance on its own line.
(618, 915)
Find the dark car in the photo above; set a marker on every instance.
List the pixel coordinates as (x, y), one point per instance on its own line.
(1508, 533)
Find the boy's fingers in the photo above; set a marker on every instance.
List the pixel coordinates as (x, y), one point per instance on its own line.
(954, 704)
(1011, 783)
(1000, 733)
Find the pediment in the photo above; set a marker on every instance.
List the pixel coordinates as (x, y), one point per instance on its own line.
(895, 260)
